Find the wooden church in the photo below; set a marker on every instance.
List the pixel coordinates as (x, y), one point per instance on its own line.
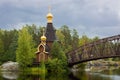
(46, 41)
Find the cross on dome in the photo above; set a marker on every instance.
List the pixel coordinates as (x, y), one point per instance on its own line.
(49, 15)
(43, 37)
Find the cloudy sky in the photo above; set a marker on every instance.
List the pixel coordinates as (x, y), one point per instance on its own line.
(91, 17)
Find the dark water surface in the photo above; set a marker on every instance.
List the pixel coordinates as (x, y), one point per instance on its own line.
(98, 74)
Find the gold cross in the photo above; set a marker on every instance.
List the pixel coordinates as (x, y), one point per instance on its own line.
(49, 8)
(43, 32)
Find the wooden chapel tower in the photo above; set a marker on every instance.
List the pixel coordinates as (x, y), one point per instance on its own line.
(47, 39)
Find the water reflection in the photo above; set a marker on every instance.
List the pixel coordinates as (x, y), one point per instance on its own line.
(27, 76)
(51, 76)
(10, 75)
(97, 73)
(106, 74)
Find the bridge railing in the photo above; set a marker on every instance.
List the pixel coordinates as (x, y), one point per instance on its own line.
(103, 48)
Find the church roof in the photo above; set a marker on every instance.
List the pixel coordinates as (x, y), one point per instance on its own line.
(47, 48)
(50, 32)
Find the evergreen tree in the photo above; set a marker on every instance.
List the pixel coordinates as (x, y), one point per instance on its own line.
(57, 51)
(60, 36)
(75, 39)
(35, 32)
(1, 47)
(9, 39)
(1, 51)
(25, 50)
(11, 51)
(67, 44)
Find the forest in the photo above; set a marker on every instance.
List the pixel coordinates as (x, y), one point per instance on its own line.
(21, 44)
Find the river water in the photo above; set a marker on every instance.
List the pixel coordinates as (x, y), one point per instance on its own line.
(94, 73)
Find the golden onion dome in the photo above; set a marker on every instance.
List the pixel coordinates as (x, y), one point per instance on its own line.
(43, 38)
(49, 17)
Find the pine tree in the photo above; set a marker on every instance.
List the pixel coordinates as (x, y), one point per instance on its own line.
(25, 50)
(1, 47)
(75, 39)
(67, 44)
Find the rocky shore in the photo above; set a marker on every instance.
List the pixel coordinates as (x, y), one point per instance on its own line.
(103, 63)
(9, 66)
(97, 65)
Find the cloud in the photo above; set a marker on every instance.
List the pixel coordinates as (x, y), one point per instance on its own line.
(94, 17)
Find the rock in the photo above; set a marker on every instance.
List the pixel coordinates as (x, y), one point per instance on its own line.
(9, 66)
(103, 63)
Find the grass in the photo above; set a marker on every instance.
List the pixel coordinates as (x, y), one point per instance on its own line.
(37, 70)
(34, 71)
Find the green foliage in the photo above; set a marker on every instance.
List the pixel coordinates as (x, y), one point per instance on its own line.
(95, 38)
(1, 47)
(67, 39)
(32, 29)
(75, 39)
(57, 51)
(60, 36)
(67, 43)
(8, 44)
(11, 52)
(35, 32)
(30, 34)
(25, 50)
(56, 65)
(84, 40)
(9, 40)
(58, 62)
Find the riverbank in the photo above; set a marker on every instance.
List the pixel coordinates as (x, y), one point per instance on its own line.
(97, 65)
(101, 68)
(103, 63)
